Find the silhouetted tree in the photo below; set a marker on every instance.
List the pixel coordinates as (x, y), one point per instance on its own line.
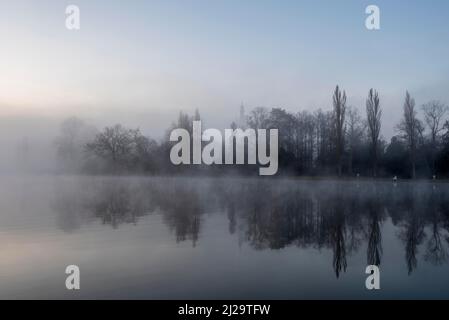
(339, 102)
(395, 158)
(434, 112)
(411, 129)
(354, 134)
(304, 141)
(258, 118)
(117, 145)
(325, 133)
(373, 117)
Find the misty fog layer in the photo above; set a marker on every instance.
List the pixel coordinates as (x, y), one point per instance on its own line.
(338, 142)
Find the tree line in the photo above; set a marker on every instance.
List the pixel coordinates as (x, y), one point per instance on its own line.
(337, 142)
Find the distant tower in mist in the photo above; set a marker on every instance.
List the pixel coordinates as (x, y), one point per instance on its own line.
(197, 116)
(242, 119)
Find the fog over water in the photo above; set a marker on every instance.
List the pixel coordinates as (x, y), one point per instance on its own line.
(222, 237)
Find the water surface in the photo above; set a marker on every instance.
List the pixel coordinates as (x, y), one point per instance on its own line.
(231, 238)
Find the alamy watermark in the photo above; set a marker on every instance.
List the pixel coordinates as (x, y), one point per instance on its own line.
(372, 22)
(72, 281)
(255, 141)
(373, 280)
(72, 20)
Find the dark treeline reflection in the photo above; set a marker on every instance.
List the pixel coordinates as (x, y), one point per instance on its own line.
(343, 217)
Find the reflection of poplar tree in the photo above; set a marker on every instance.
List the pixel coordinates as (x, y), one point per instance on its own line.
(435, 251)
(337, 237)
(373, 114)
(413, 234)
(374, 251)
(339, 100)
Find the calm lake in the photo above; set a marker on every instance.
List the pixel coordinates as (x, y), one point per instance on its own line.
(230, 238)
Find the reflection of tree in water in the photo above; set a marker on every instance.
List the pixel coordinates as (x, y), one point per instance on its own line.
(413, 229)
(267, 214)
(113, 206)
(276, 218)
(337, 232)
(117, 202)
(374, 248)
(113, 201)
(435, 250)
(182, 209)
(340, 218)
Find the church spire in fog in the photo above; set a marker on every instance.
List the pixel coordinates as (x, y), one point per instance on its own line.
(242, 120)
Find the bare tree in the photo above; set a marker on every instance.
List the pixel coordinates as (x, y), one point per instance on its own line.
(324, 143)
(286, 123)
(373, 115)
(258, 118)
(305, 140)
(115, 144)
(339, 101)
(434, 112)
(411, 129)
(354, 133)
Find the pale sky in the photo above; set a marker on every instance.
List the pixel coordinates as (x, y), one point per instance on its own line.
(140, 62)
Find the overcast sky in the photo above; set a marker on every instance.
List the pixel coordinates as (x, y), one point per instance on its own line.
(140, 62)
